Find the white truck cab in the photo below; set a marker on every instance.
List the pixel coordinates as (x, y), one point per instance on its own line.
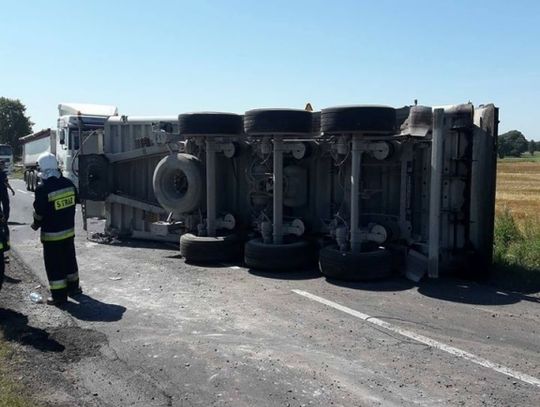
(6, 155)
(74, 122)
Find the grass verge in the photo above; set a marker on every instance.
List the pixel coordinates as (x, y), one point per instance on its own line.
(517, 249)
(11, 392)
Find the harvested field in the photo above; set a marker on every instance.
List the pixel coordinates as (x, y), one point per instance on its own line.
(518, 188)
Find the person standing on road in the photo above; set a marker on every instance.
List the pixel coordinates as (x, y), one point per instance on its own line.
(54, 212)
(4, 186)
(4, 246)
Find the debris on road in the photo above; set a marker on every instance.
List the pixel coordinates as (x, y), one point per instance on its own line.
(36, 297)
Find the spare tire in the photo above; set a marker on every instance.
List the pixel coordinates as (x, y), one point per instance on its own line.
(364, 118)
(297, 255)
(29, 181)
(94, 177)
(359, 266)
(179, 183)
(278, 121)
(202, 249)
(208, 123)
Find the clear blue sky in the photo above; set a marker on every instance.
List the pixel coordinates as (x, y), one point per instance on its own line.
(169, 57)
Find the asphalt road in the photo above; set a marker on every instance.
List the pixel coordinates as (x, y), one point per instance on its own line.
(181, 335)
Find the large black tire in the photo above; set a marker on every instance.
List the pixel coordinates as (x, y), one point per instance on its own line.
(27, 180)
(32, 181)
(361, 266)
(278, 121)
(294, 256)
(352, 119)
(94, 177)
(179, 183)
(208, 123)
(37, 180)
(206, 250)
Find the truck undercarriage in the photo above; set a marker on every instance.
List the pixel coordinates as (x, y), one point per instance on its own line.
(364, 191)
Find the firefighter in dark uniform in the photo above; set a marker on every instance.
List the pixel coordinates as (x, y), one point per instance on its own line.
(54, 212)
(4, 200)
(4, 246)
(4, 186)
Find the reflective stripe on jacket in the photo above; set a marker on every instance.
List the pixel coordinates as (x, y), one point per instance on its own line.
(57, 236)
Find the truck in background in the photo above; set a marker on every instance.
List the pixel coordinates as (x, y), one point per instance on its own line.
(33, 146)
(76, 121)
(6, 155)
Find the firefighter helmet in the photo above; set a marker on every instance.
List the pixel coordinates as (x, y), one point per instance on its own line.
(47, 162)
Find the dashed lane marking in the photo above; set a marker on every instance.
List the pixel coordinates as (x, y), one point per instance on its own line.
(425, 340)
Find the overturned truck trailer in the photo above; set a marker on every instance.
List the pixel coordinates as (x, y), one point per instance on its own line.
(362, 190)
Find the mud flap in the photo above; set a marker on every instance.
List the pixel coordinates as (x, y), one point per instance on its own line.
(95, 177)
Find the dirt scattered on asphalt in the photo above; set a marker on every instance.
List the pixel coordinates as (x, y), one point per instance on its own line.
(58, 362)
(45, 343)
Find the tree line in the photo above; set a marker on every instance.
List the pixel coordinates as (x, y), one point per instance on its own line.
(513, 144)
(14, 123)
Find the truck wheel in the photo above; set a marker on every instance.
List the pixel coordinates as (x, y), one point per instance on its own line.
(278, 121)
(35, 181)
(27, 180)
(32, 180)
(207, 123)
(200, 249)
(293, 256)
(179, 183)
(350, 119)
(360, 266)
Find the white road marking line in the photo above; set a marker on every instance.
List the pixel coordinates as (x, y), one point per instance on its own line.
(24, 192)
(425, 340)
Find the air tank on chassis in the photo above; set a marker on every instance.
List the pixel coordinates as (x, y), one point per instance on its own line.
(362, 191)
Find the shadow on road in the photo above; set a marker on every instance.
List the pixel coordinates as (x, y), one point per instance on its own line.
(89, 309)
(175, 256)
(105, 239)
(309, 274)
(515, 279)
(469, 292)
(11, 280)
(16, 329)
(393, 284)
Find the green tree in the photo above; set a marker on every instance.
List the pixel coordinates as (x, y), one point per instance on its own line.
(14, 123)
(532, 147)
(512, 143)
